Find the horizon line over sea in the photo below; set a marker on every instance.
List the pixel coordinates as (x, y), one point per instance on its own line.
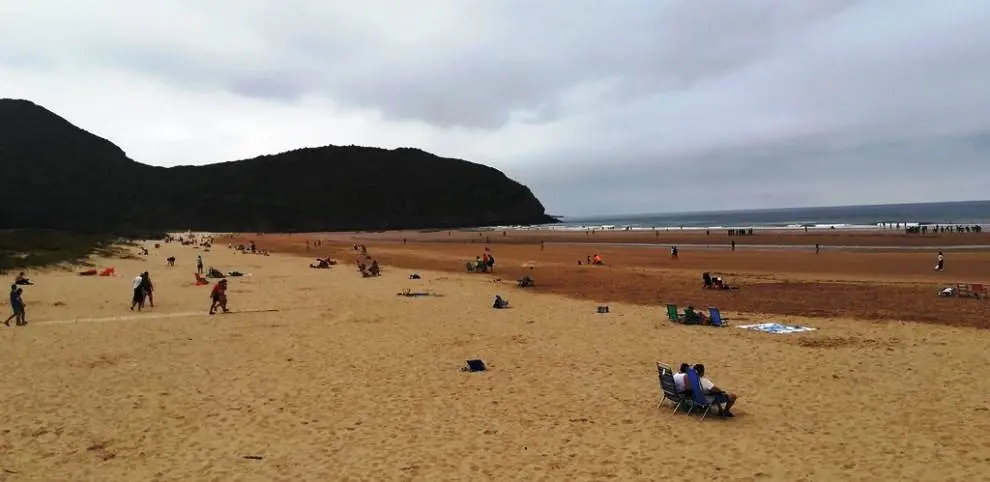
(892, 216)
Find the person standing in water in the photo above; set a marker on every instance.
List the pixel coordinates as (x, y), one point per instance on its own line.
(939, 262)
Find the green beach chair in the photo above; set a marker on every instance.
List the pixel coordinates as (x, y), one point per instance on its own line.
(672, 314)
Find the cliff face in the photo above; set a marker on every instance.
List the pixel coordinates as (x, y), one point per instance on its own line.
(58, 176)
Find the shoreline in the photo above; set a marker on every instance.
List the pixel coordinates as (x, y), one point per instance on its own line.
(788, 247)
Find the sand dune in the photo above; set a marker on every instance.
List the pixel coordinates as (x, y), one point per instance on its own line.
(350, 382)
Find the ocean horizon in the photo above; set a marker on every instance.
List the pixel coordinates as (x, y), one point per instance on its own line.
(954, 213)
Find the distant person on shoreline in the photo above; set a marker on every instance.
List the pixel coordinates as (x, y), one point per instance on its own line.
(673, 252)
(818, 248)
(733, 245)
(939, 262)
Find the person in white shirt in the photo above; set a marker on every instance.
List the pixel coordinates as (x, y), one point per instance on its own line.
(724, 399)
(680, 379)
(138, 300)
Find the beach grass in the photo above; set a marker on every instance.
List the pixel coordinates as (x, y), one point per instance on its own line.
(36, 248)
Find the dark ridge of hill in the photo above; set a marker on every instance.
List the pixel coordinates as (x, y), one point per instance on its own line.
(58, 176)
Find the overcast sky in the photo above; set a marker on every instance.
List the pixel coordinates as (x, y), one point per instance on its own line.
(626, 106)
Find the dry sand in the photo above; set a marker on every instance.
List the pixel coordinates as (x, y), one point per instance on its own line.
(350, 382)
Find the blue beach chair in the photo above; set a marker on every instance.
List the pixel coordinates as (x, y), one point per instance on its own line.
(716, 317)
(698, 398)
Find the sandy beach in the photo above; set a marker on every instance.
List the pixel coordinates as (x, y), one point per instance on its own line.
(347, 381)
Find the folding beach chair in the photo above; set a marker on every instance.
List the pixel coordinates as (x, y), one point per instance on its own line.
(672, 314)
(668, 389)
(716, 317)
(698, 399)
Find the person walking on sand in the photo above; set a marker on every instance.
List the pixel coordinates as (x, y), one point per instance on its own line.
(13, 306)
(939, 262)
(17, 306)
(138, 299)
(148, 288)
(818, 248)
(199, 263)
(218, 297)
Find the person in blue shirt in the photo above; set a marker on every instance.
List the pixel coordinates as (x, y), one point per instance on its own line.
(17, 305)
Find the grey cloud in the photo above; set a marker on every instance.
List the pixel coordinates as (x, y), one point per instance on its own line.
(762, 102)
(495, 59)
(808, 172)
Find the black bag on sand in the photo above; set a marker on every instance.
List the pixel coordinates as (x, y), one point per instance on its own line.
(475, 366)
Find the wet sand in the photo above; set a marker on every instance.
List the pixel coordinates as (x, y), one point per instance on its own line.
(350, 382)
(863, 284)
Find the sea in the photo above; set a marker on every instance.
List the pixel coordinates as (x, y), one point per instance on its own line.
(892, 216)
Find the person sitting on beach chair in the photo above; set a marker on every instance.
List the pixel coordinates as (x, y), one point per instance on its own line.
(500, 303)
(214, 273)
(597, 259)
(725, 400)
(718, 284)
(22, 280)
(479, 265)
(680, 379)
(526, 282)
(692, 317)
(374, 269)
